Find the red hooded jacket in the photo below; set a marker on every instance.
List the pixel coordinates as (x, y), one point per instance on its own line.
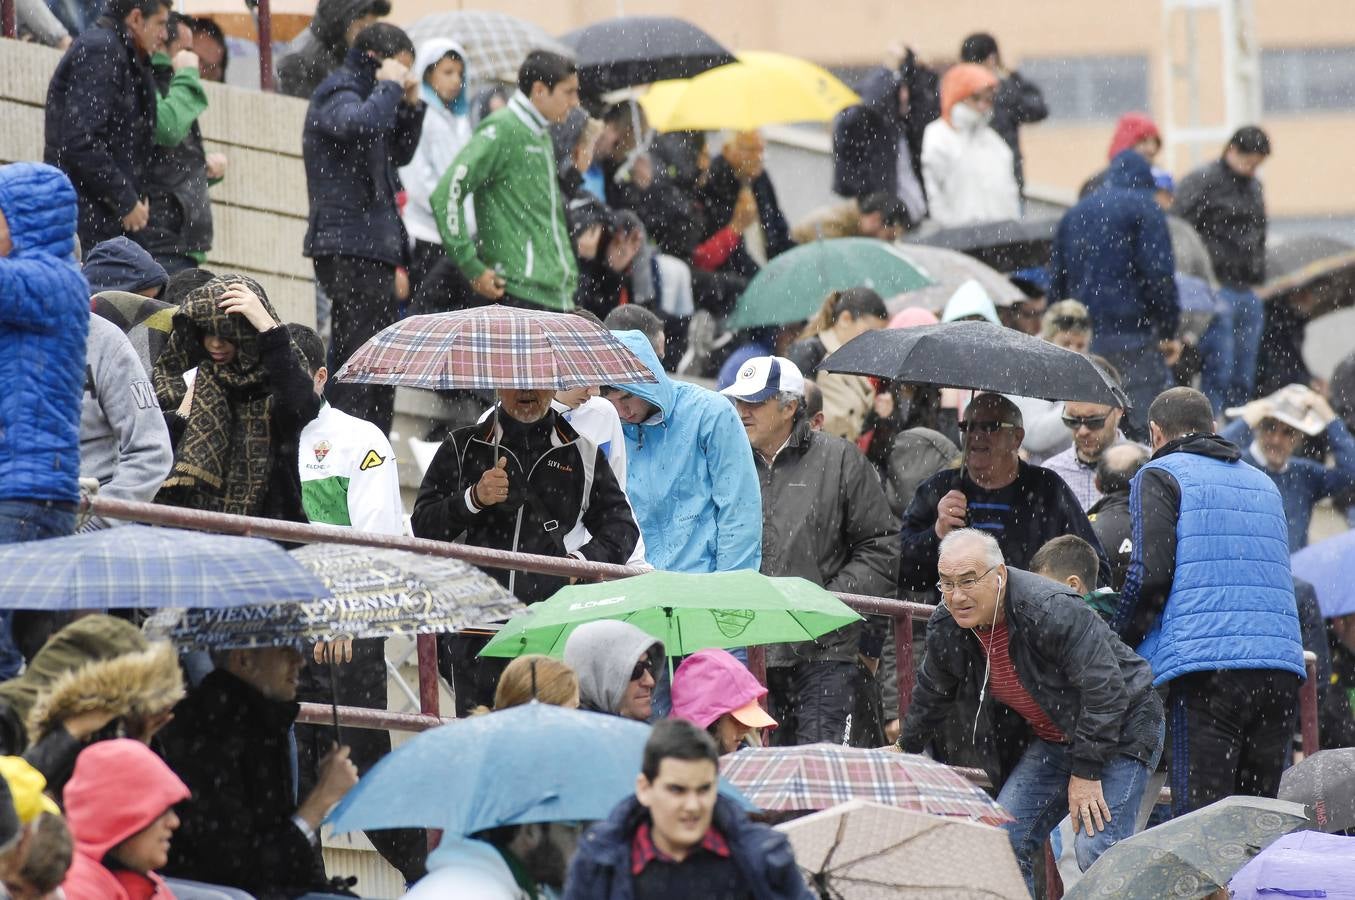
(1129, 130)
(119, 788)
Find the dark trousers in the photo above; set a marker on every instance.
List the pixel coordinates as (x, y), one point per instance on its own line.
(812, 702)
(361, 682)
(435, 282)
(22, 521)
(473, 679)
(1230, 732)
(362, 294)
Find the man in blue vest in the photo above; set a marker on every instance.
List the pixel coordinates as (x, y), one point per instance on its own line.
(1209, 602)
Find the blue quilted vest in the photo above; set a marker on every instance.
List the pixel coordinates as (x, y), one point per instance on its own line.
(1232, 599)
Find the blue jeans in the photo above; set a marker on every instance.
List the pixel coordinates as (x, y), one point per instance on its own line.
(1144, 374)
(1036, 795)
(20, 521)
(1230, 347)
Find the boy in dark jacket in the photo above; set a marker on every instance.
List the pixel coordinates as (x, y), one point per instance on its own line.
(100, 117)
(364, 122)
(1065, 716)
(677, 838)
(1113, 252)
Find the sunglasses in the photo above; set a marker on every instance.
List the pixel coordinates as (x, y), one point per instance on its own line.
(641, 667)
(1072, 323)
(1091, 423)
(983, 427)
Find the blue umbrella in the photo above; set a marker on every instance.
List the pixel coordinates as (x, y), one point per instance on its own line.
(1326, 566)
(140, 566)
(531, 763)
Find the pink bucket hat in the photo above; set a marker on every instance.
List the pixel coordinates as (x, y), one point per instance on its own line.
(710, 683)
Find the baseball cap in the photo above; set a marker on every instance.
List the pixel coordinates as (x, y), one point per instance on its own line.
(766, 376)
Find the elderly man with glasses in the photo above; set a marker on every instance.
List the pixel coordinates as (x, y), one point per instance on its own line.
(1020, 505)
(1066, 721)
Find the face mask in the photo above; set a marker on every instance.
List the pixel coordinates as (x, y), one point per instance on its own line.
(966, 118)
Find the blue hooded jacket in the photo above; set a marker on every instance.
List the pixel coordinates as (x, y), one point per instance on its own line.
(1113, 252)
(690, 475)
(44, 322)
(121, 264)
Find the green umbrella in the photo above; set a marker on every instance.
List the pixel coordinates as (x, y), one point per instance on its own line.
(791, 287)
(687, 612)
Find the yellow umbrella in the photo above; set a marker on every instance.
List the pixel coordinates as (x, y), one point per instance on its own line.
(760, 89)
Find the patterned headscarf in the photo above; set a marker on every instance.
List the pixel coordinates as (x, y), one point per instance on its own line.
(223, 461)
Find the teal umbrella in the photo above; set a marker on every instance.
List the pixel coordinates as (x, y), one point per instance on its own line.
(687, 612)
(791, 288)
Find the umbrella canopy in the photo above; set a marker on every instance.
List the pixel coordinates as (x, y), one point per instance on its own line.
(948, 269)
(368, 592)
(818, 776)
(1006, 246)
(1303, 864)
(868, 851)
(530, 763)
(1324, 782)
(1322, 265)
(687, 612)
(976, 356)
(760, 89)
(792, 286)
(140, 566)
(1191, 856)
(1326, 566)
(236, 17)
(630, 50)
(496, 44)
(493, 347)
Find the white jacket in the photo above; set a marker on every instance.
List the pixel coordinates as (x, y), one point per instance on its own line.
(466, 870)
(444, 134)
(968, 174)
(348, 474)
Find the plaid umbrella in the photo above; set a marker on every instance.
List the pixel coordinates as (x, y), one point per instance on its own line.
(366, 593)
(495, 347)
(818, 776)
(496, 44)
(140, 566)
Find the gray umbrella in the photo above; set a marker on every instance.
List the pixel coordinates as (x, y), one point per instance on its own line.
(950, 269)
(1194, 855)
(495, 43)
(1325, 782)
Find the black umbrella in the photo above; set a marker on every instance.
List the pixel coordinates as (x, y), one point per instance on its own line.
(631, 50)
(1325, 782)
(1322, 265)
(1006, 246)
(976, 356)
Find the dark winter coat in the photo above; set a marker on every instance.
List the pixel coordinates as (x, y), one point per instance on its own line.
(320, 49)
(672, 207)
(121, 264)
(176, 185)
(1113, 252)
(825, 519)
(1095, 689)
(1229, 212)
(1018, 102)
(722, 193)
(230, 745)
(1036, 508)
(601, 867)
(100, 125)
(1110, 520)
(555, 479)
(358, 132)
(44, 324)
(866, 136)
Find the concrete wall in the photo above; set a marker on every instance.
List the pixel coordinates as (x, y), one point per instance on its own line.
(259, 210)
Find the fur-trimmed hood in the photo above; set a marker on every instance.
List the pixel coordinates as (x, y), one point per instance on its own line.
(132, 686)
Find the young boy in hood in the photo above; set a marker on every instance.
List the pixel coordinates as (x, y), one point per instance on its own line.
(443, 74)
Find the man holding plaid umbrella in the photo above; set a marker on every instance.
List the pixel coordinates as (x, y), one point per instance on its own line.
(520, 481)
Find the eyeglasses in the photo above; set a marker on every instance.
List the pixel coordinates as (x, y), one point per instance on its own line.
(1091, 423)
(983, 427)
(641, 667)
(947, 587)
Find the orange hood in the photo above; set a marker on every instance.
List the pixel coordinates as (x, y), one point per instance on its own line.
(961, 81)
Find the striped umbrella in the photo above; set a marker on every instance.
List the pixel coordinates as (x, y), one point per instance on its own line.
(818, 776)
(493, 347)
(496, 44)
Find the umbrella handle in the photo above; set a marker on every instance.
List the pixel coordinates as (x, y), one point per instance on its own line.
(334, 699)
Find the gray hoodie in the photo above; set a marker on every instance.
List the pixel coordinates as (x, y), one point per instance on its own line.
(602, 655)
(123, 439)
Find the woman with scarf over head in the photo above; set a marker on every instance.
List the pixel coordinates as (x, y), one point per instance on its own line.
(236, 418)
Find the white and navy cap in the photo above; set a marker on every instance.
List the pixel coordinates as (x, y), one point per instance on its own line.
(766, 376)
